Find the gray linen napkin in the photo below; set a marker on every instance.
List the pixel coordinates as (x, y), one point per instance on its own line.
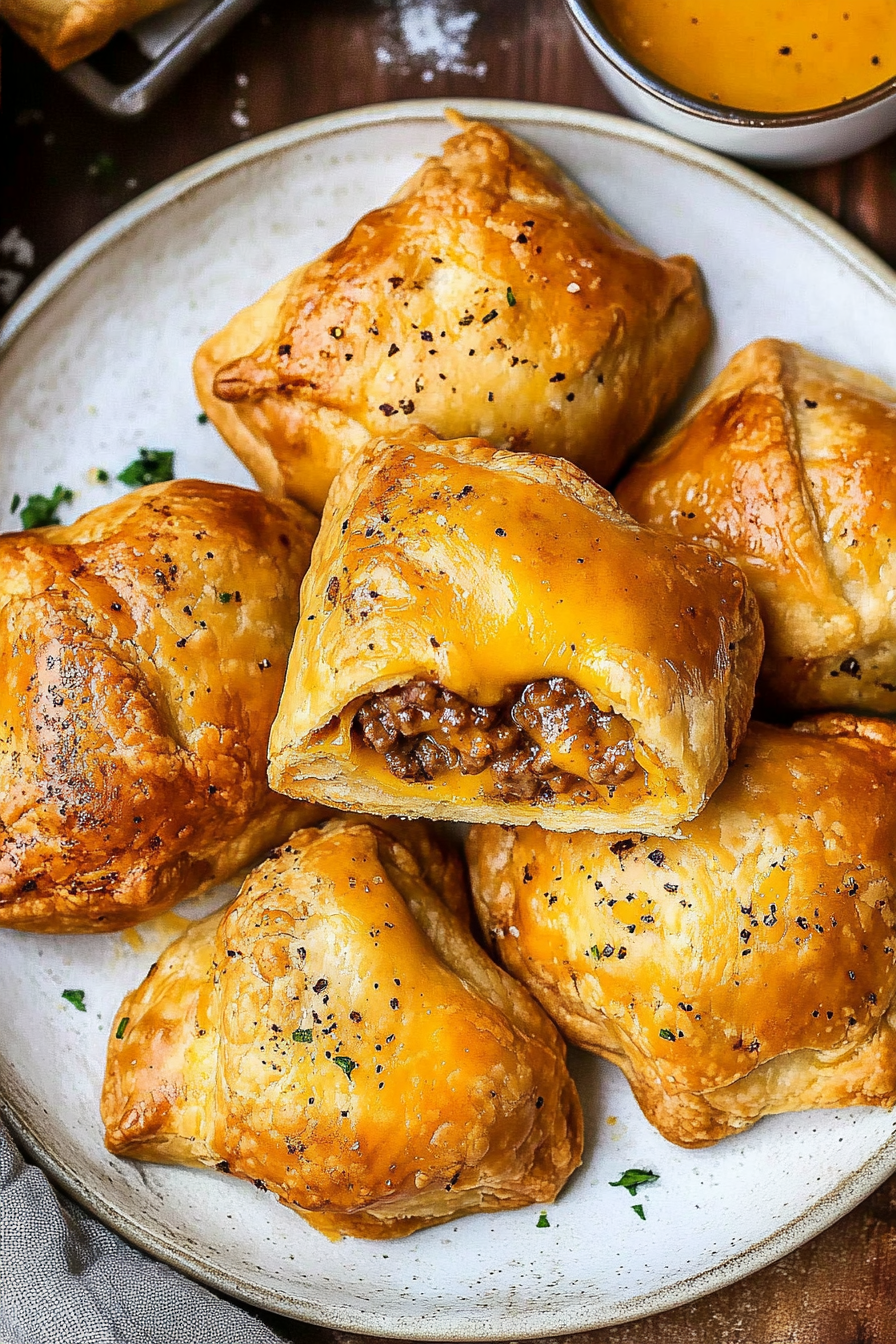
(66, 1279)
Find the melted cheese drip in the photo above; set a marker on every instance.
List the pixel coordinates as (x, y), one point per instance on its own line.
(761, 55)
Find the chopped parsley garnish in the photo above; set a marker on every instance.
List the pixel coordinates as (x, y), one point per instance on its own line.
(639, 1210)
(345, 1064)
(225, 597)
(634, 1178)
(102, 475)
(202, 418)
(302, 1034)
(595, 952)
(511, 298)
(666, 1034)
(542, 1220)
(76, 998)
(16, 501)
(122, 1028)
(40, 511)
(153, 466)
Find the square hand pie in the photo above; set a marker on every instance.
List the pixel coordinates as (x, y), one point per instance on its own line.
(745, 967)
(486, 636)
(490, 297)
(144, 649)
(64, 31)
(338, 1038)
(787, 465)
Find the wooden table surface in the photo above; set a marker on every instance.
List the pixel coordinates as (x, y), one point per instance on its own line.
(65, 167)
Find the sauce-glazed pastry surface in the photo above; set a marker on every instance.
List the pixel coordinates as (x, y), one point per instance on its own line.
(489, 297)
(746, 967)
(338, 1038)
(486, 636)
(787, 464)
(64, 31)
(144, 649)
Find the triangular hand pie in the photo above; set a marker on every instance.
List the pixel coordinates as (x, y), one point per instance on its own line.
(338, 1038)
(745, 967)
(490, 297)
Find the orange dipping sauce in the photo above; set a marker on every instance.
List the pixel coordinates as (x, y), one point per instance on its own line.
(761, 55)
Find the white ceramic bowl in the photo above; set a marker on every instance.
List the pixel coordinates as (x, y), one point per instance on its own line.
(774, 139)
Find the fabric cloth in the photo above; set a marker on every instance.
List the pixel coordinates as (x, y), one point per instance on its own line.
(66, 1279)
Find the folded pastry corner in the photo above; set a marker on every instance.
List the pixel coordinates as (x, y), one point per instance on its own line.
(743, 968)
(144, 650)
(64, 31)
(486, 636)
(489, 297)
(787, 464)
(338, 1038)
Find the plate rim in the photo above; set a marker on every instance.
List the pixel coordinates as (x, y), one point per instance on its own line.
(525, 1322)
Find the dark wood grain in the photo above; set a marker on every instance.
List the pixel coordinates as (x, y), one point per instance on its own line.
(64, 168)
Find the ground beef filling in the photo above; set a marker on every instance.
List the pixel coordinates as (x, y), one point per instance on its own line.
(546, 739)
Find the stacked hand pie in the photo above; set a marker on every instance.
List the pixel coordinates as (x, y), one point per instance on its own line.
(484, 635)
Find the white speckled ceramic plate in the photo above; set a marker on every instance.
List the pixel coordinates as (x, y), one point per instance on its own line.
(96, 363)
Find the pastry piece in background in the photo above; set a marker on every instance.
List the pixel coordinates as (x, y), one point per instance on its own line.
(489, 297)
(337, 1037)
(747, 966)
(64, 31)
(787, 464)
(486, 636)
(144, 649)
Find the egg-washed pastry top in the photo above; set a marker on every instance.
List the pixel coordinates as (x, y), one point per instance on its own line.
(746, 966)
(787, 465)
(64, 31)
(489, 297)
(485, 635)
(338, 1038)
(143, 651)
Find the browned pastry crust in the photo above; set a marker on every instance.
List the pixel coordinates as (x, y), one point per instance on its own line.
(787, 464)
(64, 31)
(489, 297)
(512, 593)
(144, 649)
(744, 968)
(338, 1038)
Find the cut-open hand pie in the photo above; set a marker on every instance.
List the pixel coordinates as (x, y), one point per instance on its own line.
(338, 1038)
(747, 966)
(486, 636)
(64, 31)
(787, 464)
(143, 651)
(489, 297)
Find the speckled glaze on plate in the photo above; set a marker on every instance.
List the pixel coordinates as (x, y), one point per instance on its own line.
(95, 363)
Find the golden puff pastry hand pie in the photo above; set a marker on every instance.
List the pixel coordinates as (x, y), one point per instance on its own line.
(489, 297)
(744, 968)
(64, 31)
(338, 1038)
(486, 636)
(787, 464)
(144, 649)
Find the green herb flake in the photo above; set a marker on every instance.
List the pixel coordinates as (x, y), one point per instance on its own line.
(16, 501)
(40, 511)
(152, 467)
(76, 998)
(595, 951)
(634, 1178)
(542, 1220)
(511, 298)
(102, 169)
(202, 418)
(666, 1034)
(302, 1034)
(225, 597)
(639, 1210)
(121, 1028)
(102, 475)
(345, 1064)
